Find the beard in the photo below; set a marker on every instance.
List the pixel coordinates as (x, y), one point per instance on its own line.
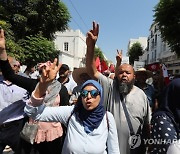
(125, 87)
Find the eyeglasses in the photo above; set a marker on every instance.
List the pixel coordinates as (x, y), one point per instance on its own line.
(94, 93)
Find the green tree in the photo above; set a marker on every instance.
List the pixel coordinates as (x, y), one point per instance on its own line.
(34, 17)
(37, 49)
(98, 53)
(167, 15)
(12, 47)
(134, 52)
(30, 26)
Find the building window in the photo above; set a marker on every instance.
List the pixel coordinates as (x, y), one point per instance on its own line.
(66, 45)
(148, 46)
(155, 55)
(147, 58)
(155, 29)
(155, 43)
(151, 34)
(152, 44)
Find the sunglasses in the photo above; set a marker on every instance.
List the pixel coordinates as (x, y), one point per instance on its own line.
(94, 93)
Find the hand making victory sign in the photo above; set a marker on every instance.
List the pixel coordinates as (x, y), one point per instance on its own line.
(92, 35)
(119, 57)
(49, 72)
(118, 60)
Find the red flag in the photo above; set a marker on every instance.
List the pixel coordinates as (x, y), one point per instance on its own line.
(153, 67)
(103, 66)
(98, 64)
(112, 68)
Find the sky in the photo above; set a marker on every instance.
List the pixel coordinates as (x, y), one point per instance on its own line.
(119, 20)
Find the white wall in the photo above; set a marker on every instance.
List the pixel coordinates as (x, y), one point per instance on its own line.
(77, 47)
(141, 40)
(159, 51)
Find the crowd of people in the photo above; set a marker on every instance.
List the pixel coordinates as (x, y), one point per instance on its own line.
(120, 111)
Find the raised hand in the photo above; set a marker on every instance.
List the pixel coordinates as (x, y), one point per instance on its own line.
(92, 35)
(118, 61)
(2, 40)
(49, 71)
(119, 57)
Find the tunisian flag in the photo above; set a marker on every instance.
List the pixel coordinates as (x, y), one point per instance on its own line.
(153, 67)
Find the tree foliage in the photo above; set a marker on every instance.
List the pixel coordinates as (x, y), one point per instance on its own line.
(12, 47)
(33, 17)
(30, 26)
(37, 49)
(98, 53)
(134, 52)
(167, 15)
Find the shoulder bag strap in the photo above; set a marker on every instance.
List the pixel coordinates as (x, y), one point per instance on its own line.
(127, 117)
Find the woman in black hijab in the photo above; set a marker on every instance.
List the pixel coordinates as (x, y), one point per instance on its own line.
(166, 120)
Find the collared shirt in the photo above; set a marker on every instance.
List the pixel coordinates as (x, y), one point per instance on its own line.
(12, 101)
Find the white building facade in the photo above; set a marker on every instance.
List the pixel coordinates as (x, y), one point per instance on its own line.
(141, 40)
(158, 51)
(72, 48)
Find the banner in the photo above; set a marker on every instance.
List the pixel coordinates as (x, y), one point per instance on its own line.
(138, 65)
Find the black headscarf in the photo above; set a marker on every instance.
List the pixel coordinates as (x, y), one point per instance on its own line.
(170, 103)
(90, 119)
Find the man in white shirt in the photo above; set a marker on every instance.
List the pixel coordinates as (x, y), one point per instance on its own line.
(121, 87)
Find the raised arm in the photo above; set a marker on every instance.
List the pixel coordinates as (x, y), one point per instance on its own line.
(49, 72)
(3, 54)
(91, 39)
(7, 71)
(118, 60)
(36, 107)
